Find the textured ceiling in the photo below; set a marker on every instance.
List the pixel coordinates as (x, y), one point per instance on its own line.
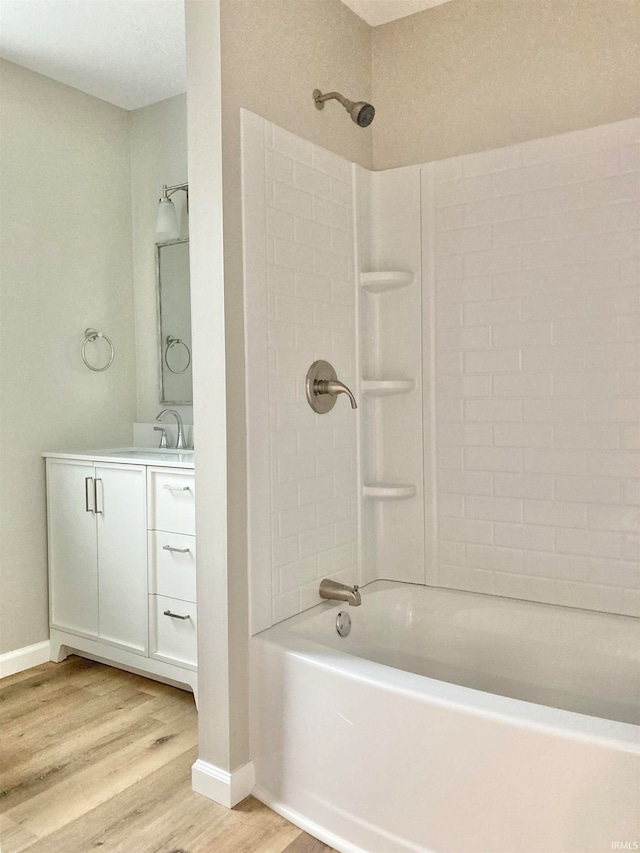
(128, 52)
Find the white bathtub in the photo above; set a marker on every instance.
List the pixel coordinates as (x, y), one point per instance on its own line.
(450, 721)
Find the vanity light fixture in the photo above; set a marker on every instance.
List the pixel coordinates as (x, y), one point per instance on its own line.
(167, 220)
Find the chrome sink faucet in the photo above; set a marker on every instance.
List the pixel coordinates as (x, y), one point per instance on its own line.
(335, 591)
(180, 445)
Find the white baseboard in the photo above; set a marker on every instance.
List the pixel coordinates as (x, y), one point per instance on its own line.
(25, 658)
(223, 787)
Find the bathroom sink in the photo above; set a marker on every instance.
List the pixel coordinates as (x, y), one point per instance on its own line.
(164, 456)
(153, 454)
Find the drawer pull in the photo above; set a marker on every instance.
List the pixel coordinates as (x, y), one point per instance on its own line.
(177, 488)
(176, 550)
(176, 615)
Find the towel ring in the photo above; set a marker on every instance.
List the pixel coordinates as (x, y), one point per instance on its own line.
(91, 335)
(173, 342)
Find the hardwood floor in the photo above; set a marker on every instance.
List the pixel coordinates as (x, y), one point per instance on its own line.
(92, 758)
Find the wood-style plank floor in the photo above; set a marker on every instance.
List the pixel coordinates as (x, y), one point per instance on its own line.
(92, 758)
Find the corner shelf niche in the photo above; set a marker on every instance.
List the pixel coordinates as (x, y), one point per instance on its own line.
(388, 491)
(387, 387)
(383, 281)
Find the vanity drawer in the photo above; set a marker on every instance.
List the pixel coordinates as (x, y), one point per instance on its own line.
(173, 639)
(172, 565)
(172, 502)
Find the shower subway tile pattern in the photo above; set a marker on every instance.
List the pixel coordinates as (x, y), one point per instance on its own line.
(531, 256)
(537, 295)
(310, 295)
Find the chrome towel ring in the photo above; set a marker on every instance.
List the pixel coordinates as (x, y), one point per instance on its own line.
(91, 335)
(173, 342)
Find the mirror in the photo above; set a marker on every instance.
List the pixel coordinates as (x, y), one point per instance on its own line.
(174, 321)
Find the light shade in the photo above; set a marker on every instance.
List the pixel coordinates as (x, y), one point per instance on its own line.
(167, 221)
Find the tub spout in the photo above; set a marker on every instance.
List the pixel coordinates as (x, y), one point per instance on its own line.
(335, 591)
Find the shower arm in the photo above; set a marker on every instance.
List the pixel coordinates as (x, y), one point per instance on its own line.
(320, 99)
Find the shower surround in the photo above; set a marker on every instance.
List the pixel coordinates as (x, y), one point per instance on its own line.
(497, 370)
(485, 310)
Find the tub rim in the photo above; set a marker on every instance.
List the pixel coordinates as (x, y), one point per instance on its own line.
(469, 700)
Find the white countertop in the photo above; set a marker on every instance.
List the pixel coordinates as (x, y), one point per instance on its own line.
(164, 457)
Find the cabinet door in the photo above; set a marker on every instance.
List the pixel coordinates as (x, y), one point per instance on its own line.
(122, 555)
(73, 571)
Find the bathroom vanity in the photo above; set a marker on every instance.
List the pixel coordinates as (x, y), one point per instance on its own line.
(122, 560)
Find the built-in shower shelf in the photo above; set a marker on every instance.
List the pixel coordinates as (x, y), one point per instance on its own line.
(388, 491)
(387, 387)
(381, 282)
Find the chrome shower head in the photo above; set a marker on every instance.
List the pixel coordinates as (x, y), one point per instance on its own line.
(360, 111)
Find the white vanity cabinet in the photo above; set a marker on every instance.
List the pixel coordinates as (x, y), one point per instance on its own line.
(122, 583)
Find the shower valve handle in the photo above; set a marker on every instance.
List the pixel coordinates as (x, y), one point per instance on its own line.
(323, 388)
(334, 387)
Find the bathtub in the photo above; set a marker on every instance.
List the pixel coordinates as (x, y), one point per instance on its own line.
(450, 721)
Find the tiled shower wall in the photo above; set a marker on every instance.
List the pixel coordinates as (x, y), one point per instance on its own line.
(537, 301)
(531, 288)
(300, 307)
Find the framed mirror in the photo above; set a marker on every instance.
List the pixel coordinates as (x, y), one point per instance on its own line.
(174, 322)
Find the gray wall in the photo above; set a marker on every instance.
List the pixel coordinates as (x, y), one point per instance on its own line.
(65, 264)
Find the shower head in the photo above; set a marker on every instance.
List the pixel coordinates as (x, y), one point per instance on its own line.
(360, 111)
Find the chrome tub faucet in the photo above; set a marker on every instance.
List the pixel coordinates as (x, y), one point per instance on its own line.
(335, 591)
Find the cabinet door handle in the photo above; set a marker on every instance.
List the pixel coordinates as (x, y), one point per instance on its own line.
(95, 496)
(87, 508)
(176, 615)
(177, 488)
(176, 550)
